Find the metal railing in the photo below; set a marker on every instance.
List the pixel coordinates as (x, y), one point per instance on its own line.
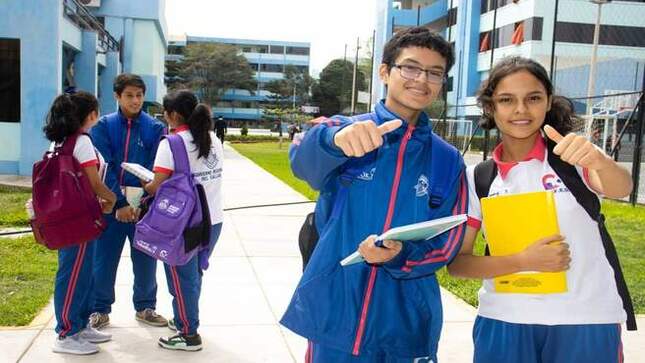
(79, 15)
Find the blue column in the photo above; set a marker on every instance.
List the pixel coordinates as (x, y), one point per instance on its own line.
(128, 40)
(112, 69)
(85, 65)
(466, 79)
(40, 71)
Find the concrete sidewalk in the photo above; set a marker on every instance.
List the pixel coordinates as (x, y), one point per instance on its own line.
(254, 270)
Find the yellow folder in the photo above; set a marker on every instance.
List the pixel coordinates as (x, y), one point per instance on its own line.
(513, 222)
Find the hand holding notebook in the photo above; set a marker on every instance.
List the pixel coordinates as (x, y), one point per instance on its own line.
(411, 232)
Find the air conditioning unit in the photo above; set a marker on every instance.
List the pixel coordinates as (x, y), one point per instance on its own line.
(91, 3)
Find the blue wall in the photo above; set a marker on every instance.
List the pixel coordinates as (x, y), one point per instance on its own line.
(37, 24)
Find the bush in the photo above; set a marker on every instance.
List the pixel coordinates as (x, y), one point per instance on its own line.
(249, 139)
(244, 131)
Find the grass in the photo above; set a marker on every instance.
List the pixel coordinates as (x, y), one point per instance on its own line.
(27, 272)
(13, 212)
(626, 225)
(275, 160)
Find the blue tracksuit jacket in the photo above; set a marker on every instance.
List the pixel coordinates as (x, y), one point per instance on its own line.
(394, 308)
(119, 139)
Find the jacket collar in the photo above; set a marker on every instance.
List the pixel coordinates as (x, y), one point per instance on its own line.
(384, 114)
(125, 119)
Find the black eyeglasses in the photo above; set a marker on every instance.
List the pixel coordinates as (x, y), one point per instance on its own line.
(413, 73)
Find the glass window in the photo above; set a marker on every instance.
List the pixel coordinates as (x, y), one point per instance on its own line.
(10, 76)
(298, 50)
(277, 49)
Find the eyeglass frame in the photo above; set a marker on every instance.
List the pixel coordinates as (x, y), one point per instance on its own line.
(430, 78)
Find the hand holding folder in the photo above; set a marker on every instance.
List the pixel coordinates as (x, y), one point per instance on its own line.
(514, 223)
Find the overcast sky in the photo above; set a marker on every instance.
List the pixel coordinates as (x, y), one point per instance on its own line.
(326, 24)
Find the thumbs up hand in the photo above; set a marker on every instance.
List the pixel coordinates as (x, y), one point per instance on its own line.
(577, 150)
(362, 137)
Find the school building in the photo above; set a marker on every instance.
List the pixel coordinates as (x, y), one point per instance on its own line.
(49, 46)
(526, 28)
(266, 57)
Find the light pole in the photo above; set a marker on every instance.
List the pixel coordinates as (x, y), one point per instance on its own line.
(594, 56)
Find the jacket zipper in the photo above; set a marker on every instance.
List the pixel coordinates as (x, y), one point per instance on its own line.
(388, 221)
(127, 147)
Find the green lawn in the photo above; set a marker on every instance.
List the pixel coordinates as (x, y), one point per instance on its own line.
(626, 225)
(13, 211)
(27, 272)
(271, 158)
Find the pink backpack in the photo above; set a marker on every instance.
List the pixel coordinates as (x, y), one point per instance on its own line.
(67, 212)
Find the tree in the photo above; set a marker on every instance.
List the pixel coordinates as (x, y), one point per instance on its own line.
(294, 81)
(333, 92)
(212, 68)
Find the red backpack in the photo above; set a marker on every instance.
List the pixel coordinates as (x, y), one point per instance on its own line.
(67, 212)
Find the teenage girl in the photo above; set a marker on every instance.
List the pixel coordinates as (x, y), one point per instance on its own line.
(584, 323)
(191, 120)
(71, 114)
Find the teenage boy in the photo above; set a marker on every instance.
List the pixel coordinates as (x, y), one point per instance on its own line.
(389, 308)
(129, 135)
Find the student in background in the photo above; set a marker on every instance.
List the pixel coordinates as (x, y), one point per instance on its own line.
(191, 120)
(129, 135)
(71, 114)
(584, 323)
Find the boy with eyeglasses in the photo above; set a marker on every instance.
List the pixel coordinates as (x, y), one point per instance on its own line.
(389, 308)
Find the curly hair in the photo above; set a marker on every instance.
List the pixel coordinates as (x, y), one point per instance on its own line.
(67, 114)
(561, 115)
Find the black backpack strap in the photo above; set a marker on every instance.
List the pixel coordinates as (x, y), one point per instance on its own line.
(484, 174)
(591, 204)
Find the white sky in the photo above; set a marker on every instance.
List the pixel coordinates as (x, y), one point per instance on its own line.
(326, 24)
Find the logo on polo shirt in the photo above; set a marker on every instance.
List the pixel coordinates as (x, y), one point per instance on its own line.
(421, 188)
(211, 160)
(552, 182)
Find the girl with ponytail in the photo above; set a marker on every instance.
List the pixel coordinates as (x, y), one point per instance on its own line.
(191, 120)
(582, 324)
(69, 115)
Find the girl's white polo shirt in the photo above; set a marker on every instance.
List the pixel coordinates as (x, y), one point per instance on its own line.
(592, 296)
(206, 171)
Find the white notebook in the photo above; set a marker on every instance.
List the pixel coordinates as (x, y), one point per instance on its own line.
(412, 232)
(138, 171)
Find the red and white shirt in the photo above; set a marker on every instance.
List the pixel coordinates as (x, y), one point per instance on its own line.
(206, 171)
(86, 154)
(592, 296)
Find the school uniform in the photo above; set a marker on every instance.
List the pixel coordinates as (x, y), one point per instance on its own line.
(580, 325)
(184, 282)
(74, 279)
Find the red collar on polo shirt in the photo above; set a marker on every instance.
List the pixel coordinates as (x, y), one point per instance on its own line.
(179, 128)
(504, 167)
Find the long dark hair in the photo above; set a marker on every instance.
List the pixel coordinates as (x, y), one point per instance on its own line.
(561, 115)
(67, 113)
(196, 115)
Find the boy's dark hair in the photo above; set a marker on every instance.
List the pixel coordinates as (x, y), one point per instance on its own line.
(561, 115)
(196, 115)
(67, 113)
(417, 37)
(127, 79)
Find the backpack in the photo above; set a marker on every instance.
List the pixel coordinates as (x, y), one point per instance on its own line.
(444, 158)
(485, 172)
(177, 224)
(66, 209)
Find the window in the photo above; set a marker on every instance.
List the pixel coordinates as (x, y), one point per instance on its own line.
(263, 49)
(271, 68)
(298, 50)
(518, 33)
(277, 49)
(9, 80)
(247, 49)
(625, 36)
(452, 16)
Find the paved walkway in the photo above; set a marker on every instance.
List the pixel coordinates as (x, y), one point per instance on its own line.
(254, 270)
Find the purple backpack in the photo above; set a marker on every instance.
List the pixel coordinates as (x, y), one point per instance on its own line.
(177, 224)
